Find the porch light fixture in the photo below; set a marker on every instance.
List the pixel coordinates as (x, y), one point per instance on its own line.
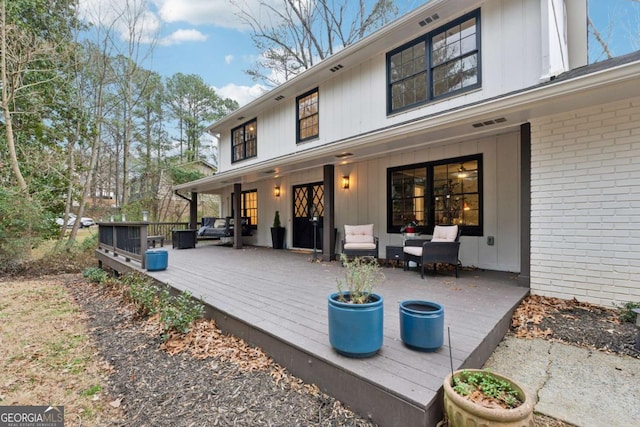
(276, 191)
(345, 182)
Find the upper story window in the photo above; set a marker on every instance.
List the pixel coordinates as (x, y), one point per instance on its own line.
(307, 116)
(437, 193)
(244, 141)
(441, 63)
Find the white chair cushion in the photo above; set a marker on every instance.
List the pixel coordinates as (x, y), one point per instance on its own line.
(353, 246)
(358, 234)
(445, 233)
(413, 250)
(220, 223)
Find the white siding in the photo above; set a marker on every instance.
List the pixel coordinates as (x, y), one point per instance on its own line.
(366, 199)
(354, 101)
(585, 197)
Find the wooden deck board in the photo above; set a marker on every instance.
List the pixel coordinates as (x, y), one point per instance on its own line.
(277, 299)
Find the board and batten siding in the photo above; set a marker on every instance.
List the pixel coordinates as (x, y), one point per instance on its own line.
(585, 201)
(366, 199)
(353, 102)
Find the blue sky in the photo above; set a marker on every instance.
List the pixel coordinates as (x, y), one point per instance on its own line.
(206, 38)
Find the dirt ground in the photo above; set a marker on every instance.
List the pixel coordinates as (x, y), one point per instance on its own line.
(110, 368)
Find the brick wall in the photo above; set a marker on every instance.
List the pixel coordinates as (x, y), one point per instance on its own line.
(585, 198)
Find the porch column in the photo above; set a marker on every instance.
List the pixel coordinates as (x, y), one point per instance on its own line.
(524, 278)
(237, 214)
(329, 223)
(193, 211)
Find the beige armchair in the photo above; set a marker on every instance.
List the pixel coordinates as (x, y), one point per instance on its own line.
(359, 241)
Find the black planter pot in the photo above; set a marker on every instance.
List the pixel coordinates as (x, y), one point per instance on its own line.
(277, 237)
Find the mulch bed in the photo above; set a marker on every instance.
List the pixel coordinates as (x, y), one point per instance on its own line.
(205, 378)
(574, 322)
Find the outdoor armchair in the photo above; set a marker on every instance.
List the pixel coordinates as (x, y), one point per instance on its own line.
(359, 241)
(442, 248)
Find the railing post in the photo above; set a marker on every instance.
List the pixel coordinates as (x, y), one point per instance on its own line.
(143, 245)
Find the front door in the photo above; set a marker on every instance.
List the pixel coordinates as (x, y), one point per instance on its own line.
(308, 202)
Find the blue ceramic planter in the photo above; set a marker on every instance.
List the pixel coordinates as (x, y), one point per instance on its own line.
(356, 330)
(422, 325)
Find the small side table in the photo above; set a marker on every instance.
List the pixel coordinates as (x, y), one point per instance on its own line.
(394, 253)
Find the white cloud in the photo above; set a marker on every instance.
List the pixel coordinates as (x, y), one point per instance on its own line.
(221, 13)
(242, 94)
(182, 36)
(228, 59)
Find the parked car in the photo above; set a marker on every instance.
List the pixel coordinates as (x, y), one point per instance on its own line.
(70, 221)
(86, 222)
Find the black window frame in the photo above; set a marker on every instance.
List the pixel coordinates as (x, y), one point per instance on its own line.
(299, 139)
(245, 209)
(429, 196)
(245, 141)
(426, 40)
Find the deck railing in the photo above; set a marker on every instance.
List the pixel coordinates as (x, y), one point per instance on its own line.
(129, 239)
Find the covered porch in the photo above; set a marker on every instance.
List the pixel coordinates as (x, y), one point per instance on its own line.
(277, 300)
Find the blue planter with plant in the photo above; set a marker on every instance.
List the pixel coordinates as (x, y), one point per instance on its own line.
(422, 325)
(356, 315)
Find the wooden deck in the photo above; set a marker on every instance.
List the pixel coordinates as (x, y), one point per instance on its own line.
(277, 300)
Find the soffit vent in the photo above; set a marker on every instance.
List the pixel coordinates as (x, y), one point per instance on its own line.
(240, 118)
(489, 122)
(279, 98)
(270, 171)
(336, 68)
(429, 19)
(343, 155)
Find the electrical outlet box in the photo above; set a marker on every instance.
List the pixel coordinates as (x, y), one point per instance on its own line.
(490, 240)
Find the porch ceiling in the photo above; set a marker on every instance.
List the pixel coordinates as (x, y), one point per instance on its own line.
(608, 85)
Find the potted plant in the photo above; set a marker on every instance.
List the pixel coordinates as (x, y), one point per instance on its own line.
(480, 397)
(410, 227)
(277, 232)
(356, 313)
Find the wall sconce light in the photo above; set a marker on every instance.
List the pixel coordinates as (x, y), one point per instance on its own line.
(276, 191)
(145, 216)
(345, 182)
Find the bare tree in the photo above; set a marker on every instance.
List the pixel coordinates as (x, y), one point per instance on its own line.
(295, 35)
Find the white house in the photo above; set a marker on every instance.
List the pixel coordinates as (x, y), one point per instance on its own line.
(479, 113)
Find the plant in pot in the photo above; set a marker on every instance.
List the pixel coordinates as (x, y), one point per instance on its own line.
(356, 312)
(277, 232)
(480, 397)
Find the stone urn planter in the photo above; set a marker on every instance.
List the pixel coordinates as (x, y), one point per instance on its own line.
(422, 325)
(462, 412)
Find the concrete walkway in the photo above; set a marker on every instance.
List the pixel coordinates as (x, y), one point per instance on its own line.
(583, 387)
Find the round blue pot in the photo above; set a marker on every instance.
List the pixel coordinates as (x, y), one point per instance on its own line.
(355, 330)
(422, 325)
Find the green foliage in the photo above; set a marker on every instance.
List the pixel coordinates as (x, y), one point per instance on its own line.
(180, 175)
(142, 294)
(626, 313)
(178, 313)
(362, 275)
(95, 275)
(276, 220)
(489, 385)
(21, 225)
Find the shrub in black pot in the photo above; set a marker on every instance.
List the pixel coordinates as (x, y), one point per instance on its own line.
(277, 232)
